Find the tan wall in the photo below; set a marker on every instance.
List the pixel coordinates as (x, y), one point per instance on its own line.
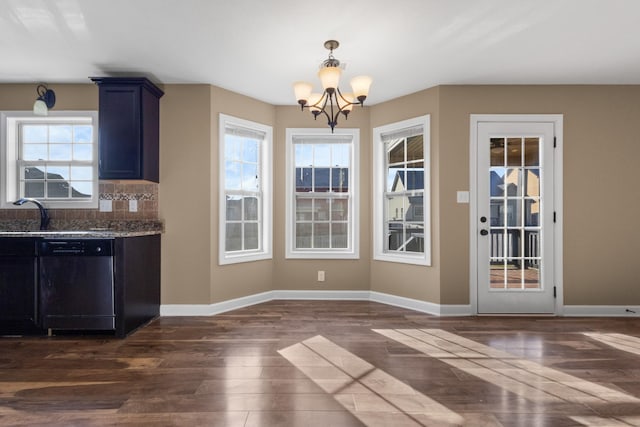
(340, 274)
(411, 281)
(601, 192)
(20, 97)
(185, 193)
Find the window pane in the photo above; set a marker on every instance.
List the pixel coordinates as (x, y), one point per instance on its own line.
(81, 189)
(251, 236)
(60, 134)
(340, 180)
(231, 147)
(395, 207)
(414, 235)
(321, 210)
(34, 133)
(34, 172)
(59, 172)
(322, 155)
(34, 189)
(60, 152)
(339, 235)
(57, 189)
(304, 209)
(395, 178)
(249, 176)
(234, 208)
(303, 235)
(82, 152)
(35, 152)
(340, 155)
(414, 179)
(321, 235)
(321, 180)
(414, 148)
(83, 173)
(250, 151)
(233, 240)
(395, 151)
(395, 235)
(304, 155)
(251, 208)
(304, 179)
(232, 176)
(415, 210)
(340, 210)
(83, 133)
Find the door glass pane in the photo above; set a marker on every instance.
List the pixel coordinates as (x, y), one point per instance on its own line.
(497, 275)
(532, 212)
(514, 151)
(497, 213)
(497, 151)
(514, 213)
(531, 274)
(514, 273)
(512, 182)
(496, 181)
(532, 151)
(532, 182)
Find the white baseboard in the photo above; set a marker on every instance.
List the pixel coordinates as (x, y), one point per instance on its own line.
(601, 311)
(169, 310)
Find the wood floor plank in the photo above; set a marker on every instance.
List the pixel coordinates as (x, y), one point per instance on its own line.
(230, 370)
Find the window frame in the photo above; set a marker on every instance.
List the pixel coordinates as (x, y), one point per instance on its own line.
(265, 167)
(379, 189)
(10, 157)
(353, 247)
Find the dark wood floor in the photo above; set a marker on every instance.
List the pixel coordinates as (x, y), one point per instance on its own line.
(328, 363)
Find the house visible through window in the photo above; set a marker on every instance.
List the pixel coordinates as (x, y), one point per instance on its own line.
(322, 189)
(401, 192)
(52, 159)
(245, 164)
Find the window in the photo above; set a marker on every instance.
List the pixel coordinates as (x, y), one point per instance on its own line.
(245, 191)
(52, 159)
(401, 192)
(322, 193)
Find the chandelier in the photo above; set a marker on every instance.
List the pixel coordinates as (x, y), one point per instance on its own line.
(331, 102)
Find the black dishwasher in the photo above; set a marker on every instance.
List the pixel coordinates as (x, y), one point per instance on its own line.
(76, 284)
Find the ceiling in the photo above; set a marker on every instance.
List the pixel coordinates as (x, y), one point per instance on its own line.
(260, 47)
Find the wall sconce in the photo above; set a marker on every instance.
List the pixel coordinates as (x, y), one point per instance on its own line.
(46, 100)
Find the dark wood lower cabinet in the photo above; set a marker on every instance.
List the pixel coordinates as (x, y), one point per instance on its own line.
(18, 286)
(136, 285)
(137, 282)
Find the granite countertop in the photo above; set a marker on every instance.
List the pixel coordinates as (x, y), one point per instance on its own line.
(81, 228)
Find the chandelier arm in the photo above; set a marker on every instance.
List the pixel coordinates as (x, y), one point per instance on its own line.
(346, 101)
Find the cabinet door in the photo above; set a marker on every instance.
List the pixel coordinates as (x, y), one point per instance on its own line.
(120, 132)
(18, 309)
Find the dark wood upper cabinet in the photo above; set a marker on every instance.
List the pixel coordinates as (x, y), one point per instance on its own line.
(129, 128)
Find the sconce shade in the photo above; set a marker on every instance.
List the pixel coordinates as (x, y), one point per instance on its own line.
(46, 100)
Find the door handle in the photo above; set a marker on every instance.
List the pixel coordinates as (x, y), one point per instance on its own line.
(484, 232)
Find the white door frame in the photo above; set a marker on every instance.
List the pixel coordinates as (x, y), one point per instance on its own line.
(557, 120)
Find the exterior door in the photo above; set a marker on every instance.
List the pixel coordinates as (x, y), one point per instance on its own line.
(515, 223)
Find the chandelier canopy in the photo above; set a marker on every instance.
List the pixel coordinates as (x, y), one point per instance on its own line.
(331, 102)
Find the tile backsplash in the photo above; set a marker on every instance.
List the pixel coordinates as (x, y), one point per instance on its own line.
(120, 192)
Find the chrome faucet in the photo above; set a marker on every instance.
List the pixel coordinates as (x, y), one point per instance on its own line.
(44, 215)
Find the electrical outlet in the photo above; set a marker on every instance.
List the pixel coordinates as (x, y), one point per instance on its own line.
(320, 275)
(133, 205)
(106, 205)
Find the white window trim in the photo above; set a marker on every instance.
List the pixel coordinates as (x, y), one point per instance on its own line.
(266, 183)
(353, 249)
(9, 155)
(379, 185)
